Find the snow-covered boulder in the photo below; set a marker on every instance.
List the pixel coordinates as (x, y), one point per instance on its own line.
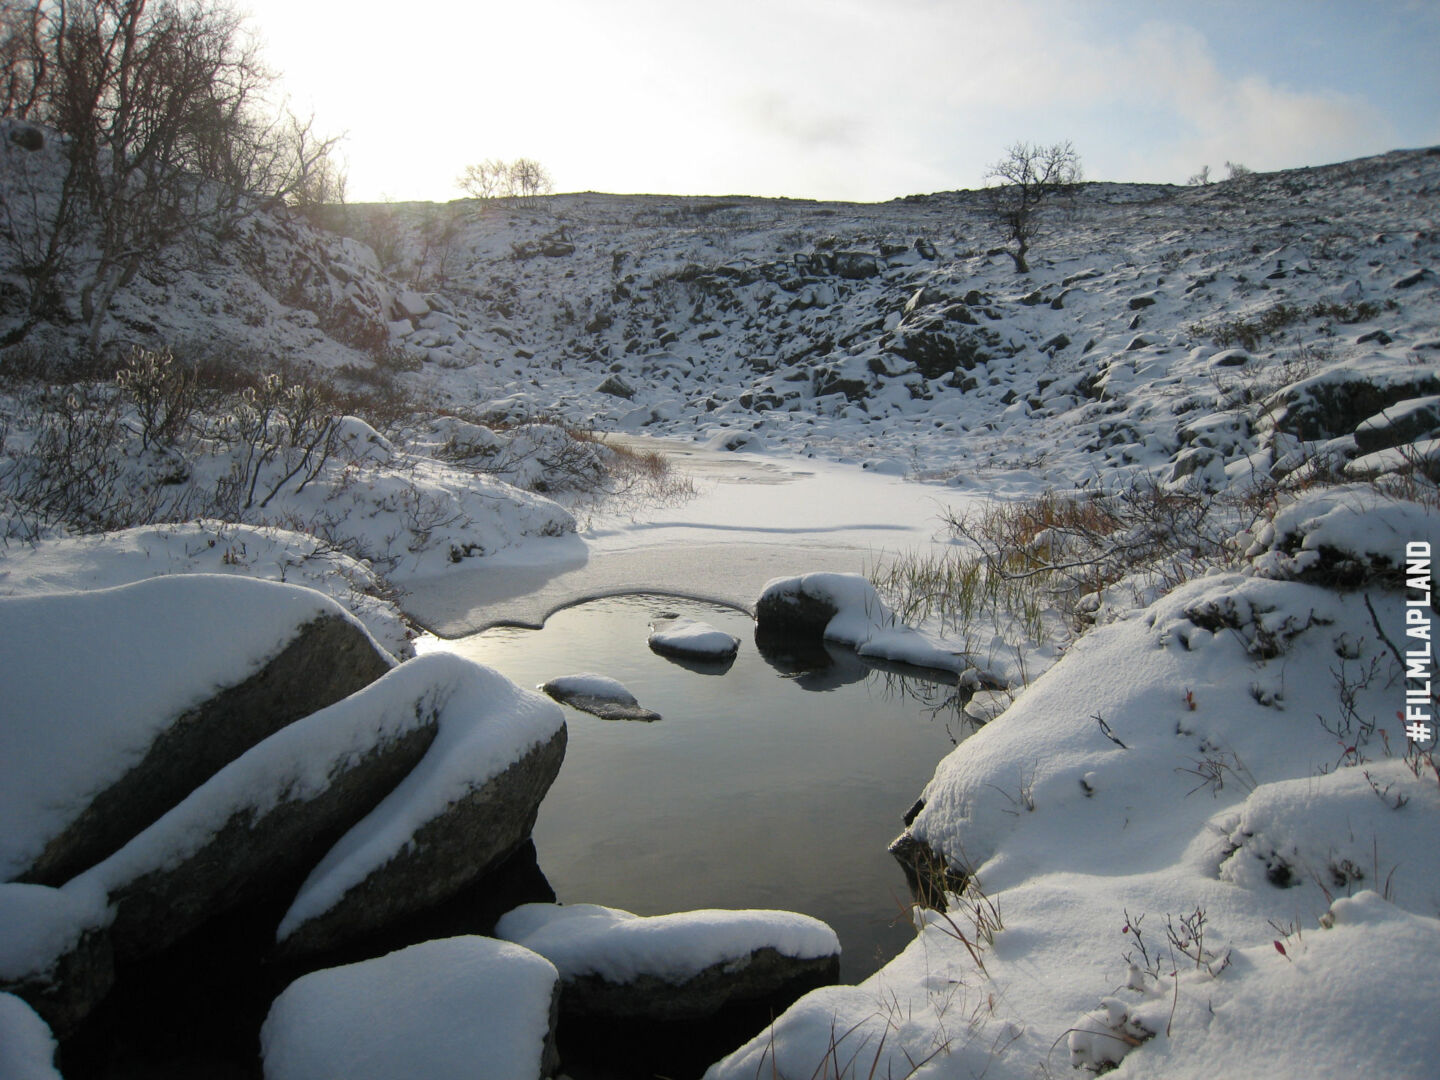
(121, 701)
(465, 1007)
(807, 606)
(846, 608)
(27, 1048)
(1400, 423)
(1348, 536)
(55, 952)
(1337, 401)
(599, 695)
(258, 822)
(459, 814)
(670, 967)
(691, 639)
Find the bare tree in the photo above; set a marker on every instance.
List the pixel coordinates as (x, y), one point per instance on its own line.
(166, 131)
(529, 178)
(305, 171)
(493, 178)
(487, 180)
(1021, 183)
(24, 65)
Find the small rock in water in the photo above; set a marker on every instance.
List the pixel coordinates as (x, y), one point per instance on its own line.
(675, 635)
(601, 695)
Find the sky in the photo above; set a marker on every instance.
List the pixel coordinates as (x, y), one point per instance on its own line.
(862, 100)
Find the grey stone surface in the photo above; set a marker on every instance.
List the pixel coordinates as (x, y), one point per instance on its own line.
(765, 975)
(254, 853)
(473, 836)
(329, 658)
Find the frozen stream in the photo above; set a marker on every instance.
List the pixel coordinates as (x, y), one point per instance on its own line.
(753, 517)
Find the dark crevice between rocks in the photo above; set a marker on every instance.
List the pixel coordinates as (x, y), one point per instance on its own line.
(195, 1009)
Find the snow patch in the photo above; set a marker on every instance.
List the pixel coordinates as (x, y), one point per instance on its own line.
(465, 1007)
(586, 939)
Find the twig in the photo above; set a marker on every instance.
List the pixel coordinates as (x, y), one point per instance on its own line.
(1375, 621)
(1105, 730)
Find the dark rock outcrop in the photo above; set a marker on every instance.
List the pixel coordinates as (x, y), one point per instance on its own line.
(472, 836)
(260, 822)
(793, 614)
(1335, 403)
(1398, 424)
(329, 658)
(765, 975)
(58, 959)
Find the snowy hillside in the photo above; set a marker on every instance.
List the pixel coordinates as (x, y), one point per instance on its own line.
(896, 331)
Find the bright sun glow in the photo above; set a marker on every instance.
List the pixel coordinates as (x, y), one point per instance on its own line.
(845, 99)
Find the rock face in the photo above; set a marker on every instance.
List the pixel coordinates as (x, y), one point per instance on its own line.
(266, 816)
(765, 975)
(795, 613)
(1400, 423)
(56, 953)
(329, 658)
(1336, 402)
(472, 836)
(683, 966)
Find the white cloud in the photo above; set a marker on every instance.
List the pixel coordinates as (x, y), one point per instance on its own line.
(1215, 117)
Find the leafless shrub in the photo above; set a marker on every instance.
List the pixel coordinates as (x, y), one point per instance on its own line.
(1021, 183)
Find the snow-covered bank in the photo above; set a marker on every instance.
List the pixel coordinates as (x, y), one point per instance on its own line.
(1201, 843)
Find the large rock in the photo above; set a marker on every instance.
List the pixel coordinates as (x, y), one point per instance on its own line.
(463, 1008)
(471, 803)
(794, 613)
(937, 352)
(258, 822)
(762, 975)
(1400, 423)
(55, 952)
(109, 734)
(1335, 402)
(856, 264)
(684, 966)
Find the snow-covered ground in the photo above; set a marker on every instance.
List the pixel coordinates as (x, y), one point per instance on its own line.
(1199, 842)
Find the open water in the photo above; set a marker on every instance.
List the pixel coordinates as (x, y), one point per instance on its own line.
(772, 782)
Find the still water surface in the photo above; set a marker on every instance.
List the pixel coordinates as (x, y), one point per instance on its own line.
(762, 786)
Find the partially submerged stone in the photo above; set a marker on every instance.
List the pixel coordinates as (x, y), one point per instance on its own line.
(263, 818)
(691, 639)
(55, 952)
(598, 695)
(460, 813)
(685, 965)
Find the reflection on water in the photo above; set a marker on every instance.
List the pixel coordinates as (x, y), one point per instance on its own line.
(773, 782)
